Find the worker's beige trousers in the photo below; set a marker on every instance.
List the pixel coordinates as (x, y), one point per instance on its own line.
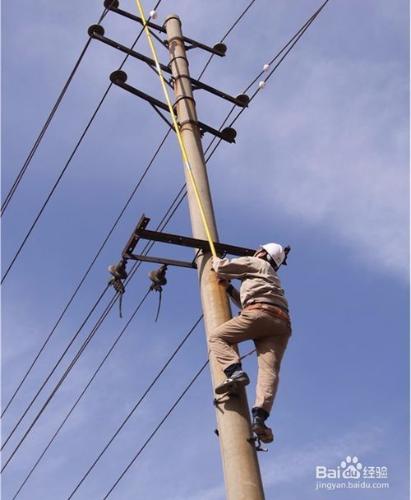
(270, 335)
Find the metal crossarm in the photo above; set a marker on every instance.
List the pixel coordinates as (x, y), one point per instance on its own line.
(219, 49)
(140, 232)
(96, 31)
(161, 260)
(119, 78)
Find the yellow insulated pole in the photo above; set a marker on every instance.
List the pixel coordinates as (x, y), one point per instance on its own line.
(241, 470)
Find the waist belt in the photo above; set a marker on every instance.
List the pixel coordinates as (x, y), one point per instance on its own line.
(269, 309)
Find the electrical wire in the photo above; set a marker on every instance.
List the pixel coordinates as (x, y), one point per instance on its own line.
(281, 55)
(60, 382)
(136, 405)
(240, 17)
(235, 23)
(63, 171)
(146, 392)
(48, 121)
(54, 367)
(99, 322)
(86, 273)
(102, 246)
(295, 40)
(162, 421)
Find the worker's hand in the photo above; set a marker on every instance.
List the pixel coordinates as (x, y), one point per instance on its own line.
(214, 262)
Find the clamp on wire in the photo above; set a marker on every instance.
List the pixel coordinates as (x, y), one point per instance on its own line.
(158, 280)
(119, 273)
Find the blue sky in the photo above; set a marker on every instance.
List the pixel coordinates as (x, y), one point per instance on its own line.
(321, 162)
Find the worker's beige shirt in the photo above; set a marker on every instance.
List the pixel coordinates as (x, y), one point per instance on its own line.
(260, 283)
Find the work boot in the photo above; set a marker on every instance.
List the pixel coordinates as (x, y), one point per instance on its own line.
(235, 377)
(263, 433)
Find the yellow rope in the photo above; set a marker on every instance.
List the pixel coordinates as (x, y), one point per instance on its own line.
(174, 119)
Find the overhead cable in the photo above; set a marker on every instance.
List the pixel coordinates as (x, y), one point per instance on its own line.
(278, 59)
(37, 142)
(86, 273)
(146, 392)
(157, 428)
(54, 368)
(84, 133)
(240, 17)
(85, 343)
(136, 405)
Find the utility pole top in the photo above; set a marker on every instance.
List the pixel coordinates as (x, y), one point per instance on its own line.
(173, 16)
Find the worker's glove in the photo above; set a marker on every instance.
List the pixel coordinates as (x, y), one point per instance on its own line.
(214, 262)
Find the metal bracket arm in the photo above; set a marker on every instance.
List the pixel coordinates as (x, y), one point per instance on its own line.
(119, 78)
(161, 260)
(133, 240)
(96, 31)
(140, 232)
(219, 49)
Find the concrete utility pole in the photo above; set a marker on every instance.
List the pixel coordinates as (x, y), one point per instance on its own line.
(240, 464)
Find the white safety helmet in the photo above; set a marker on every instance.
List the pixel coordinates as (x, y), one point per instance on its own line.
(276, 253)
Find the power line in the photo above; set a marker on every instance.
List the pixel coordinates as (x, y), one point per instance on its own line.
(294, 40)
(99, 322)
(171, 357)
(166, 416)
(54, 368)
(163, 223)
(282, 54)
(240, 17)
(86, 273)
(112, 228)
(137, 404)
(84, 133)
(48, 121)
(59, 383)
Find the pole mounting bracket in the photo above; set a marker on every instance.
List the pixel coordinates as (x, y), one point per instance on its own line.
(119, 78)
(141, 233)
(96, 31)
(219, 49)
